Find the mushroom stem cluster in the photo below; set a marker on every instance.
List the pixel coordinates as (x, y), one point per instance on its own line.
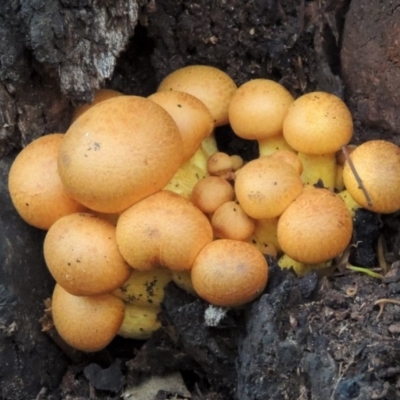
(136, 194)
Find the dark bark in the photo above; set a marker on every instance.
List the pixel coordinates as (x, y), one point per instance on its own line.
(370, 65)
(29, 359)
(53, 52)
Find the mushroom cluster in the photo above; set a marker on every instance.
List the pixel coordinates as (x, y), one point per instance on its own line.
(136, 194)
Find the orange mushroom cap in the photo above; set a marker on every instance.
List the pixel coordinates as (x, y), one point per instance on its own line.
(35, 186)
(229, 221)
(318, 123)
(377, 163)
(82, 255)
(211, 192)
(164, 230)
(316, 227)
(119, 152)
(266, 186)
(87, 323)
(192, 117)
(257, 109)
(229, 273)
(209, 84)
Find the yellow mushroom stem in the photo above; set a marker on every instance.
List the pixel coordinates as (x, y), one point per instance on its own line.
(340, 161)
(301, 269)
(271, 144)
(319, 169)
(265, 234)
(339, 184)
(183, 280)
(139, 322)
(351, 204)
(193, 170)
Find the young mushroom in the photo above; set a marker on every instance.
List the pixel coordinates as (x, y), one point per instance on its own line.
(317, 125)
(220, 164)
(210, 85)
(119, 152)
(163, 230)
(266, 186)
(35, 186)
(211, 192)
(316, 227)
(257, 111)
(229, 221)
(229, 273)
(86, 323)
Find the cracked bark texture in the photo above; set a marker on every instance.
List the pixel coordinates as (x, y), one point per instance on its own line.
(54, 52)
(371, 66)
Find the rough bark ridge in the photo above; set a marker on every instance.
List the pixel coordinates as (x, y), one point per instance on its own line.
(53, 51)
(370, 65)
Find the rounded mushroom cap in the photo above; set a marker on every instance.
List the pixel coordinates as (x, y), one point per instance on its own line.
(99, 96)
(219, 163)
(318, 123)
(229, 273)
(258, 108)
(211, 192)
(229, 221)
(289, 157)
(212, 86)
(87, 323)
(192, 117)
(266, 186)
(119, 152)
(316, 227)
(163, 230)
(82, 255)
(377, 163)
(35, 186)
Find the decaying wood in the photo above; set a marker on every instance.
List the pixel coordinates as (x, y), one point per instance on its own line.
(53, 52)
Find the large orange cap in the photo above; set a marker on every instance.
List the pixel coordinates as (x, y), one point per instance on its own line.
(318, 123)
(377, 163)
(266, 186)
(212, 86)
(229, 273)
(316, 227)
(87, 323)
(119, 152)
(82, 255)
(192, 117)
(35, 186)
(258, 108)
(165, 230)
